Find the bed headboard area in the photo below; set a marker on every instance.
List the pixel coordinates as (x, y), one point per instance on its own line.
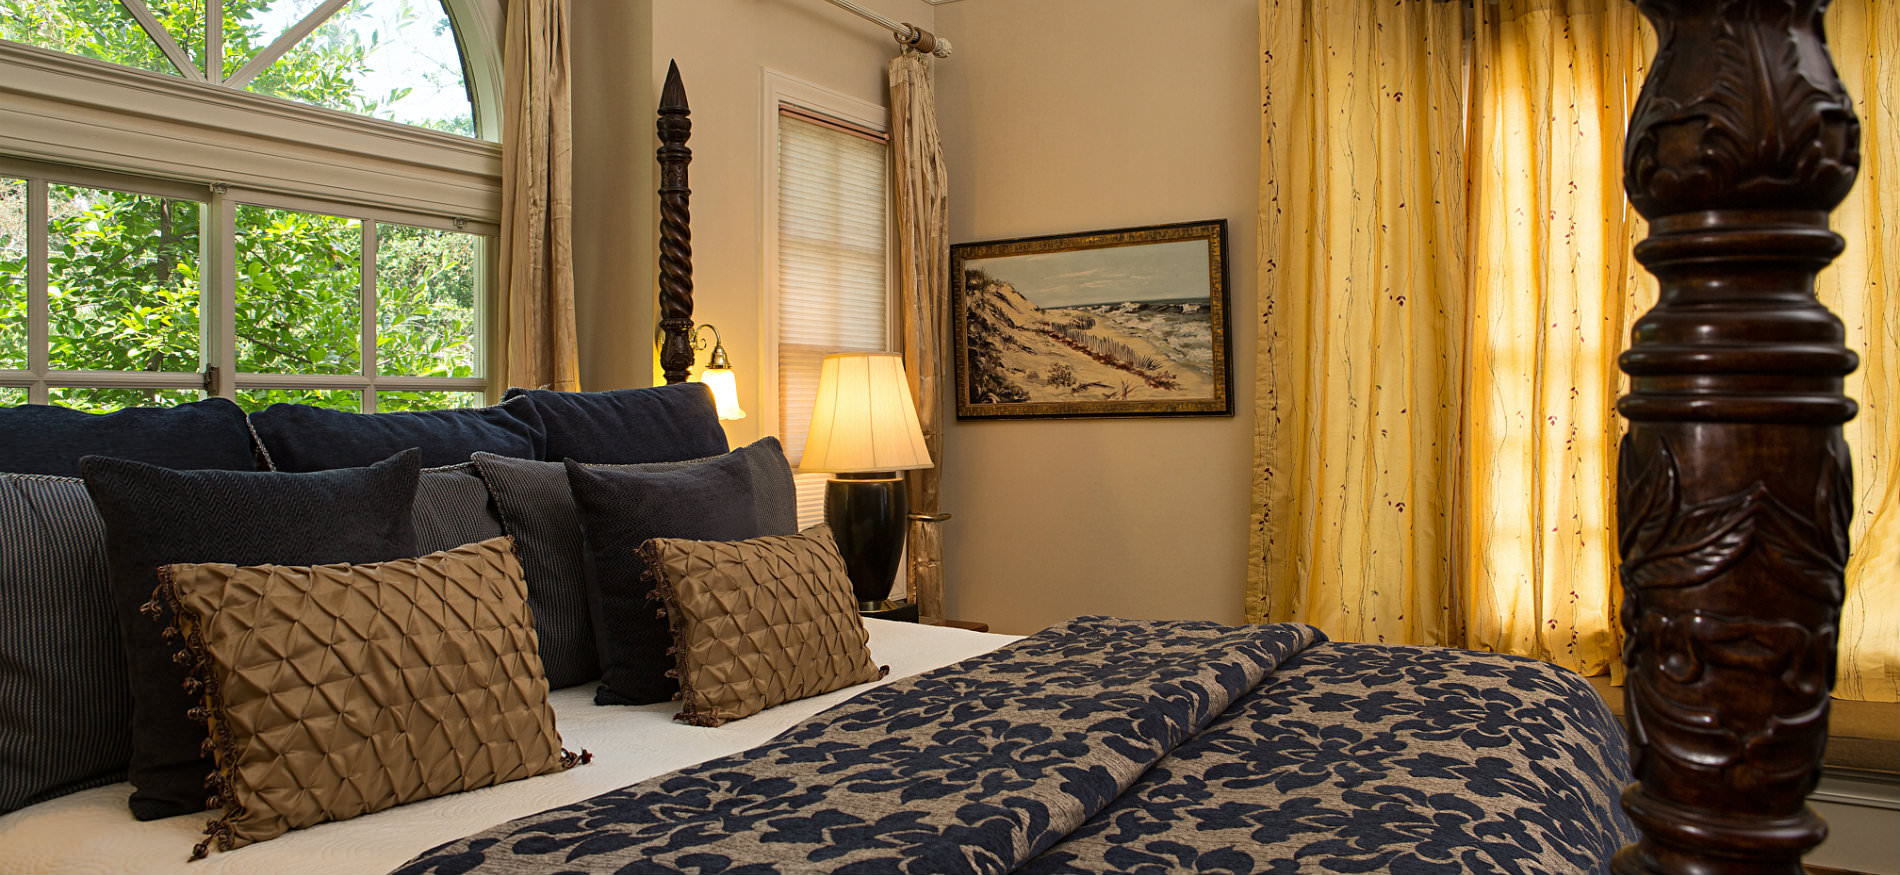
(1733, 492)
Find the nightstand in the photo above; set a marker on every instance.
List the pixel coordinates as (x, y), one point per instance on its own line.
(904, 612)
(955, 624)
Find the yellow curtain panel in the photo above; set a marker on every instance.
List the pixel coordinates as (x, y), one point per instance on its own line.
(1860, 288)
(1362, 242)
(1550, 306)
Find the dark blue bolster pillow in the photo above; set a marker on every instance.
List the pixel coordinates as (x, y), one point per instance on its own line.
(299, 437)
(628, 426)
(42, 439)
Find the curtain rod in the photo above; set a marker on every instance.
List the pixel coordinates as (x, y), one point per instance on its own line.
(906, 33)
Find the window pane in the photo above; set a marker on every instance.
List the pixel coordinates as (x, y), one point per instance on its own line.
(252, 25)
(425, 302)
(253, 400)
(391, 59)
(108, 400)
(11, 395)
(387, 401)
(185, 21)
(299, 292)
(99, 29)
(122, 291)
(12, 273)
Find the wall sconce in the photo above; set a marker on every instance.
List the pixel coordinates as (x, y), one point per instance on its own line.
(717, 375)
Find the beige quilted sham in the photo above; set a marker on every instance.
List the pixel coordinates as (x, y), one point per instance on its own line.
(758, 623)
(338, 690)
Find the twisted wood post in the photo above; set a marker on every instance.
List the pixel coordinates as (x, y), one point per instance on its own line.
(1733, 495)
(676, 231)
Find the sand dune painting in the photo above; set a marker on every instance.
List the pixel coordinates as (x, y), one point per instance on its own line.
(1130, 322)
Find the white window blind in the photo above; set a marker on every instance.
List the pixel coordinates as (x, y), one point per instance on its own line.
(833, 268)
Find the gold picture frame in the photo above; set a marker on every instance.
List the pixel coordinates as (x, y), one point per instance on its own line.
(1126, 322)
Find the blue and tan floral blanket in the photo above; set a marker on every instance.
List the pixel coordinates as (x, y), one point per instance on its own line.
(1106, 745)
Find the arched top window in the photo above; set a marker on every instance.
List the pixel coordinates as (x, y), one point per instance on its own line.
(265, 200)
(397, 60)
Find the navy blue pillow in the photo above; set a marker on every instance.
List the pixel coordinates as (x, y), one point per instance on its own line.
(156, 516)
(620, 509)
(657, 424)
(42, 439)
(299, 437)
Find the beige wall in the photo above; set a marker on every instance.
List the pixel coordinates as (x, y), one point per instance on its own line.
(723, 48)
(611, 51)
(1075, 115)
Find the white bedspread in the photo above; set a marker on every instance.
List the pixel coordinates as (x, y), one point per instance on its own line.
(93, 831)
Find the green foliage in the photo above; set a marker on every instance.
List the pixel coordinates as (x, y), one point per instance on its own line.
(12, 273)
(123, 281)
(299, 304)
(99, 29)
(253, 400)
(124, 284)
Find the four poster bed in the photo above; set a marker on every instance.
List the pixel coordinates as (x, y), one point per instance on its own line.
(1113, 745)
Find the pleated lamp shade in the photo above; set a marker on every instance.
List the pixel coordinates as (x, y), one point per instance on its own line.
(864, 419)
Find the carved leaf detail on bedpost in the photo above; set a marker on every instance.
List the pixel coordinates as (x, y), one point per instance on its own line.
(1744, 115)
(1734, 485)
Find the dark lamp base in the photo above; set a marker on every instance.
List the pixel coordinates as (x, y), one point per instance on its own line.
(866, 513)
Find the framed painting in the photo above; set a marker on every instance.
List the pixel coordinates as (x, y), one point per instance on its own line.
(1131, 322)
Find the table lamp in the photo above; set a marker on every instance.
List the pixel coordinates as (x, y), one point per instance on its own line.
(864, 432)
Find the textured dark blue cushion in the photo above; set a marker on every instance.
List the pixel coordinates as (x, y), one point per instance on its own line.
(299, 437)
(41, 439)
(156, 516)
(65, 711)
(537, 510)
(619, 510)
(658, 424)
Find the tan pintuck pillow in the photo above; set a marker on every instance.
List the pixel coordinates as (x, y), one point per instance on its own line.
(758, 623)
(337, 690)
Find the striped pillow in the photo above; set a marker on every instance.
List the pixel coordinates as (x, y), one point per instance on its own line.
(65, 703)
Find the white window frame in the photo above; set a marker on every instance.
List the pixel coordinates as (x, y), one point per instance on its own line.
(218, 373)
(779, 88)
(81, 121)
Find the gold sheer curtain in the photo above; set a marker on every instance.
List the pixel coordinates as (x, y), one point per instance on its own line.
(1550, 307)
(1362, 241)
(535, 326)
(923, 274)
(1861, 288)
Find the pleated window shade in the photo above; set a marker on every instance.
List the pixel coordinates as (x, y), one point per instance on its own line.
(833, 267)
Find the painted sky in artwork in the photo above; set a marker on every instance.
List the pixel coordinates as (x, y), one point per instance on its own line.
(1148, 272)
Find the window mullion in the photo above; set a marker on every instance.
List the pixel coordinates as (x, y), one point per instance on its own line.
(368, 262)
(163, 37)
(214, 42)
(37, 308)
(217, 318)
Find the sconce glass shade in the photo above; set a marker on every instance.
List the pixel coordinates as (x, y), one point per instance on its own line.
(863, 419)
(725, 391)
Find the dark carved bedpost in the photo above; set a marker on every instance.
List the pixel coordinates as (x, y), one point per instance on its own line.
(1733, 486)
(676, 231)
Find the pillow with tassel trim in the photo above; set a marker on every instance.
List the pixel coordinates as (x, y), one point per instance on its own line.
(332, 691)
(758, 623)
